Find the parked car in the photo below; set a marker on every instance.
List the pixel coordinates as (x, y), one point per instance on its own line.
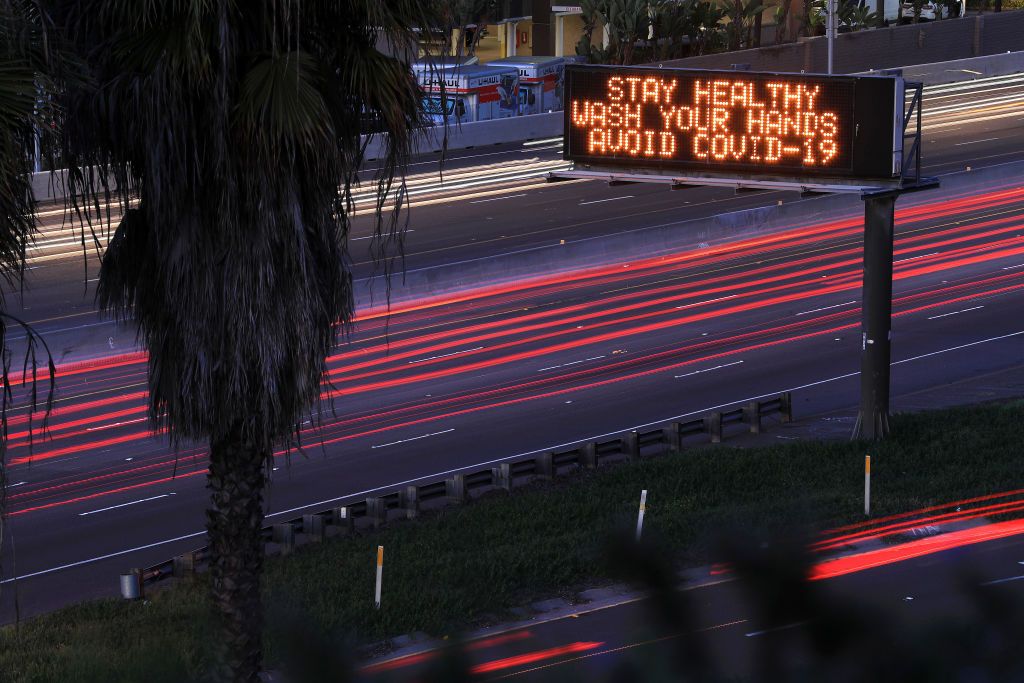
(932, 10)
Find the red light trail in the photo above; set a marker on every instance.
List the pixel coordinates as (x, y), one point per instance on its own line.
(544, 328)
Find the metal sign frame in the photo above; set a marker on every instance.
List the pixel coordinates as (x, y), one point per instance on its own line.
(879, 231)
(905, 159)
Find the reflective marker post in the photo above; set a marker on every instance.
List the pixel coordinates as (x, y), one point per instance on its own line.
(640, 516)
(380, 574)
(867, 485)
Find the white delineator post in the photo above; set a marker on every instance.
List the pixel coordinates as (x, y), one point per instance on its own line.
(640, 516)
(380, 574)
(867, 485)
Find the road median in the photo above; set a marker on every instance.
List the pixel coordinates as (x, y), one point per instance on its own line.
(471, 565)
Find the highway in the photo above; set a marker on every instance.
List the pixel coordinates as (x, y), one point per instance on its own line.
(916, 596)
(494, 201)
(493, 374)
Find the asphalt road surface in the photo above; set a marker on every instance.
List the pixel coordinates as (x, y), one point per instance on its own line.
(494, 201)
(915, 596)
(484, 377)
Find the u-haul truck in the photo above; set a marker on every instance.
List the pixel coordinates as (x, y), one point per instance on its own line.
(463, 94)
(540, 82)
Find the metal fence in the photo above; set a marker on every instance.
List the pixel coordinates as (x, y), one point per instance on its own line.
(407, 502)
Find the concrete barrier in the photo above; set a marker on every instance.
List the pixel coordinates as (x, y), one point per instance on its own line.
(459, 488)
(968, 69)
(477, 134)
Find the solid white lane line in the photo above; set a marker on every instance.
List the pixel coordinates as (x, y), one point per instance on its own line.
(360, 494)
(565, 365)
(610, 199)
(92, 560)
(415, 438)
(20, 483)
(122, 505)
(699, 372)
(497, 199)
(1006, 580)
(444, 355)
(914, 258)
(973, 142)
(709, 301)
(945, 315)
(827, 308)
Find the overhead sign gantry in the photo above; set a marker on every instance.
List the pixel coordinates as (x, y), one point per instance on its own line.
(805, 132)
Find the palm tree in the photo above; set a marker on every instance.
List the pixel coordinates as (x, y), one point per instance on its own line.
(234, 126)
(26, 58)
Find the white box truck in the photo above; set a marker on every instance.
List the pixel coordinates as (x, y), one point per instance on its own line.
(462, 94)
(540, 82)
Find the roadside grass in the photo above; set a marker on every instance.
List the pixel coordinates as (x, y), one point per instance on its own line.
(469, 565)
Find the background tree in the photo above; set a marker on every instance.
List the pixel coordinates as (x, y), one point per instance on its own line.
(707, 33)
(744, 18)
(782, 12)
(234, 127)
(463, 20)
(671, 25)
(857, 16)
(593, 11)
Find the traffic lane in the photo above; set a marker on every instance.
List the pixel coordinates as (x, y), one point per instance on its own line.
(61, 290)
(850, 285)
(852, 356)
(327, 480)
(455, 160)
(536, 353)
(914, 595)
(526, 218)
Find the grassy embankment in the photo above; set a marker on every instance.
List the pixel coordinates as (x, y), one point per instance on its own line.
(464, 565)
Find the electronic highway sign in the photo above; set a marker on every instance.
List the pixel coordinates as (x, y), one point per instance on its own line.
(734, 124)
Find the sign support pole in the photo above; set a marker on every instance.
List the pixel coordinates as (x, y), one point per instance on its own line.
(831, 24)
(876, 317)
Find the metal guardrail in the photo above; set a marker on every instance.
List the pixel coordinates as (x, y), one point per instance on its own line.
(406, 503)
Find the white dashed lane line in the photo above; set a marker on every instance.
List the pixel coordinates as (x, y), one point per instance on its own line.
(415, 438)
(945, 315)
(700, 372)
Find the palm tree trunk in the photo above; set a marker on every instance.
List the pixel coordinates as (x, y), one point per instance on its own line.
(236, 479)
(781, 27)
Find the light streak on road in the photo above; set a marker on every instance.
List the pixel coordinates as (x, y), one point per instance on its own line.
(913, 549)
(778, 277)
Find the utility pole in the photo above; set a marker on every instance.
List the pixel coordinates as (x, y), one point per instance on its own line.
(831, 24)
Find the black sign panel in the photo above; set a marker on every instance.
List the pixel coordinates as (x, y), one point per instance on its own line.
(731, 122)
